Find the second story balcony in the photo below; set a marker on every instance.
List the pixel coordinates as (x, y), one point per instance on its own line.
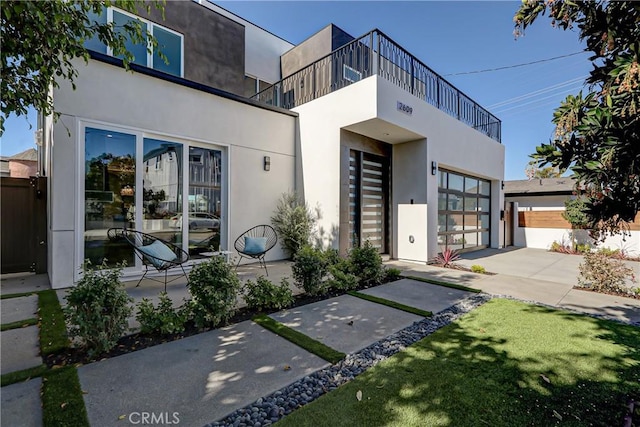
(376, 54)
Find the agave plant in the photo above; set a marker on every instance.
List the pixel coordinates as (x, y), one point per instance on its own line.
(446, 257)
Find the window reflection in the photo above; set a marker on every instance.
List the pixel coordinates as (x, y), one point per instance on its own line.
(162, 189)
(205, 200)
(110, 170)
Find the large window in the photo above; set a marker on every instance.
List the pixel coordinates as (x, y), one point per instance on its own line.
(170, 43)
(463, 211)
(133, 180)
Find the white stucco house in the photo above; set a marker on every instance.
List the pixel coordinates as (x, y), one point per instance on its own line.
(387, 149)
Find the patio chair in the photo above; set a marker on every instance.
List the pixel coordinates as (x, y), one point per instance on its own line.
(255, 243)
(153, 252)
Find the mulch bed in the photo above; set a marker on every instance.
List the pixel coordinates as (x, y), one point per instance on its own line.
(139, 341)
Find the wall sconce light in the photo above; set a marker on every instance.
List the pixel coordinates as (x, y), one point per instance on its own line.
(434, 168)
(502, 185)
(267, 163)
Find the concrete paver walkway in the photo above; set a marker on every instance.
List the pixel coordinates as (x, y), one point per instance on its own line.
(419, 294)
(20, 349)
(201, 378)
(21, 308)
(346, 323)
(21, 404)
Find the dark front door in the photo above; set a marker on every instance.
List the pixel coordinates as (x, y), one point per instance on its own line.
(368, 199)
(23, 210)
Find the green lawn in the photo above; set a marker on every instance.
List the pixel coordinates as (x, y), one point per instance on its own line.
(491, 368)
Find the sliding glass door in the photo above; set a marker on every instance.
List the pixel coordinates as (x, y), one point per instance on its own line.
(162, 190)
(119, 164)
(205, 200)
(109, 194)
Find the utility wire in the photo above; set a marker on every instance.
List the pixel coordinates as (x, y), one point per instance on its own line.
(553, 95)
(514, 66)
(534, 93)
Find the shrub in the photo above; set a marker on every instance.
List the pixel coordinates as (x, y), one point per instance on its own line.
(582, 248)
(562, 247)
(163, 319)
(309, 269)
(447, 257)
(392, 274)
(332, 256)
(601, 273)
(611, 253)
(294, 222)
(476, 268)
(98, 308)
(214, 287)
(575, 213)
(366, 263)
(264, 295)
(342, 276)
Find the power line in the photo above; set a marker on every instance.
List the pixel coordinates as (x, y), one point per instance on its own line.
(514, 66)
(553, 95)
(534, 93)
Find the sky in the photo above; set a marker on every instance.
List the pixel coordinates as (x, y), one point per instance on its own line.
(450, 37)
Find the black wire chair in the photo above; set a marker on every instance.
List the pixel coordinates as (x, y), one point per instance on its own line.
(153, 252)
(255, 243)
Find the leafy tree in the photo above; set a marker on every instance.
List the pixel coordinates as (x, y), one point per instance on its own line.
(40, 40)
(598, 133)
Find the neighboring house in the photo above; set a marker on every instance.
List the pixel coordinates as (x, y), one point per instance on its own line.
(387, 150)
(21, 165)
(4, 167)
(537, 206)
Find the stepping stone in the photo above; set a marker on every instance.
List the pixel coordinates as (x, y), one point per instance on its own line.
(201, 378)
(21, 404)
(20, 349)
(20, 308)
(424, 296)
(346, 323)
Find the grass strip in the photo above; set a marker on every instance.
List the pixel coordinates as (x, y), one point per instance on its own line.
(18, 324)
(62, 402)
(299, 339)
(23, 375)
(53, 329)
(391, 304)
(18, 295)
(445, 284)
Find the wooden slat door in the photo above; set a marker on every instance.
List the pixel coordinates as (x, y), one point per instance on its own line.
(368, 199)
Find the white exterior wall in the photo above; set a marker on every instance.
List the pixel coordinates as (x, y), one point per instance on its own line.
(409, 185)
(262, 49)
(451, 143)
(110, 96)
(319, 151)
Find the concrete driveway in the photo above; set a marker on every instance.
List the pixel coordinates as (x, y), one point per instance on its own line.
(538, 264)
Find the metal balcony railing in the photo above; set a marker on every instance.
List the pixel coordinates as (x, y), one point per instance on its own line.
(375, 53)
